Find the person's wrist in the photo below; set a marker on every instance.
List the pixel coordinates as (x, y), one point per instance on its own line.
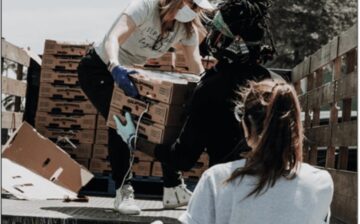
(111, 65)
(131, 141)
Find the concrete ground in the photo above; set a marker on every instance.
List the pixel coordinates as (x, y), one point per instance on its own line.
(96, 210)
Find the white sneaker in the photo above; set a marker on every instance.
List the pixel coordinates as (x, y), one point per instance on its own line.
(124, 201)
(176, 196)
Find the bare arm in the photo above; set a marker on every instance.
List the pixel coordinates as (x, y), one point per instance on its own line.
(193, 59)
(119, 33)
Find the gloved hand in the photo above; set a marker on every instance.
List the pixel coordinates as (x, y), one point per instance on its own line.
(121, 78)
(127, 130)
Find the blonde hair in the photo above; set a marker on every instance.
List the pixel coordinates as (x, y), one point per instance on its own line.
(168, 10)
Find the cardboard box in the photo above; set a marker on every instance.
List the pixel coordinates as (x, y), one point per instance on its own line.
(180, 60)
(148, 130)
(166, 59)
(101, 137)
(64, 106)
(75, 136)
(101, 122)
(156, 169)
(83, 151)
(59, 77)
(100, 151)
(61, 92)
(99, 166)
(140, 156)
(165, 114)
(36, 168)
(44, 119)
(65, 63)
(141, 168)
(166, 87)
(65, 48)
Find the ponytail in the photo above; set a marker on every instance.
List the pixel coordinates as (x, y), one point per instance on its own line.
(271, 111)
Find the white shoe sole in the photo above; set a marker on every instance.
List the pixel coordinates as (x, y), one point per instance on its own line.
(172, 206)
(127, 212)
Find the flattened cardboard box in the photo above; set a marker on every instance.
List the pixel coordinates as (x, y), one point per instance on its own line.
(75, 136)
(165, 114)
(67, 63)
(149, 130)
(64, 106)
(44, 119)
(38, 169)
(166, 87)
(59, 77)
(61, 92)
(65, 48)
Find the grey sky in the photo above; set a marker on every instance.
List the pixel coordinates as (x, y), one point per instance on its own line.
(28, 23)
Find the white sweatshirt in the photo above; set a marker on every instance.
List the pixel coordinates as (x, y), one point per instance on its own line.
(303, 200)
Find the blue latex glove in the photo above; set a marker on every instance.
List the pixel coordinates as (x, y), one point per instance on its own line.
(121, 78)
(127, 130)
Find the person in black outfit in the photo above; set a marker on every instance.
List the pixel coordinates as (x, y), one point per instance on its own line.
(236, 39)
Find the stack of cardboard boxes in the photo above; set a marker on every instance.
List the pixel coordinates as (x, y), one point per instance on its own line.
(64, 114)
(163, 99)
(68, 118)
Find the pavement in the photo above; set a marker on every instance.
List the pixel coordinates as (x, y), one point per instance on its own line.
(97, 210)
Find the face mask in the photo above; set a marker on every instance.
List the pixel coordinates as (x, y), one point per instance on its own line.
(185, 14)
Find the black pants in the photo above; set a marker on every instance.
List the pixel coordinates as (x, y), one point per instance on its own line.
(98, 84)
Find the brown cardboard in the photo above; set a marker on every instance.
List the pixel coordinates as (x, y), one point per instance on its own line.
(101, 122)
(44, 119)
(166, 59)
(60, 62)
(83, 161)
(99, 166)
(83, 151)
(101, 137)
(64, 106)
(180, 60)
(141, 168)
(100, 151)
(165, 114)
(148, 130)
(41, 156)
(65, 48)
(166, 87)
(75, 136)
(59, 77)
(156, 169)
(61, 92)
(140, 156)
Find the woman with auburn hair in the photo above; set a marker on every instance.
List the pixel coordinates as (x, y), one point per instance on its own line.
(272, 184)
(146, 29)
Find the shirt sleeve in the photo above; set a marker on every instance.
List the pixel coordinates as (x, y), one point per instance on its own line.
(201, 208)
(139, 11)
(193, 40)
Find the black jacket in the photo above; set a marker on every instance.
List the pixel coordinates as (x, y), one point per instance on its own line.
(211, 123)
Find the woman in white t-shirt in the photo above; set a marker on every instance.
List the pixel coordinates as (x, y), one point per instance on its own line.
(272, 184)
(146, 29)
